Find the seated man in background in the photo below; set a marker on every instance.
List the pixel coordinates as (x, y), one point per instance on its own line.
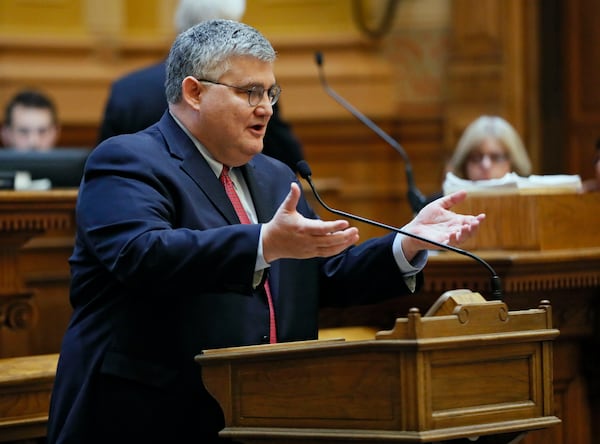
(137, 100)
(30, 122)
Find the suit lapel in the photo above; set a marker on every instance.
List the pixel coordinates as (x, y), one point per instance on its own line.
(193, 163)
(259, 190)
(195, 166)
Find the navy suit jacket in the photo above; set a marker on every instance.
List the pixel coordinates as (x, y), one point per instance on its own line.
(137, 100)
(162, 269)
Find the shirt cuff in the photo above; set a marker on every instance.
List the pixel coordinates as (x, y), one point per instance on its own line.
(407, 268)
(261, 263)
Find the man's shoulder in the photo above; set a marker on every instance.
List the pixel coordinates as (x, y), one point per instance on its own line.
(142, 76)
(146, 147)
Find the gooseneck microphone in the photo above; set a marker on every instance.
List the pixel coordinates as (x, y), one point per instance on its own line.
(496, 284)
(415, 197)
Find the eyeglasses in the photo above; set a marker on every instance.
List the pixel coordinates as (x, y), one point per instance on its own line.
(255, 92)
(493, 157)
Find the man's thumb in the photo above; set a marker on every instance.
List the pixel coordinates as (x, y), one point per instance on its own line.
(291, 200)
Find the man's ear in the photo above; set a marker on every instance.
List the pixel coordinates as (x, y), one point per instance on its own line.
(191, 91)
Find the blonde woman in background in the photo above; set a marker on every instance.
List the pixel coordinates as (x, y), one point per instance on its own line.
(489, 148)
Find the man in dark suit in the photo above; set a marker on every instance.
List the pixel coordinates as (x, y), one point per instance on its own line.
(162, 267)
(137, 100)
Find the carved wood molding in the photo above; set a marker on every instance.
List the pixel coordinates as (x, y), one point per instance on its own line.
(24, 215)
(34, 224)
(526, 271)
(17, 312)
(31, 213)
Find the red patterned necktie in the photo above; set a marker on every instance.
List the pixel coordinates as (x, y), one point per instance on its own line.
(243, 216)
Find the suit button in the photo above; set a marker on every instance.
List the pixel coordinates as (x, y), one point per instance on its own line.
(264, 339)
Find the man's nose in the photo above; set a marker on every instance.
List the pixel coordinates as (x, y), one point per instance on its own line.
(264, 107)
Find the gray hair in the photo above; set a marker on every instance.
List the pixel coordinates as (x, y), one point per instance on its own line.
(204, 50)
(192, 12)
(483, 128)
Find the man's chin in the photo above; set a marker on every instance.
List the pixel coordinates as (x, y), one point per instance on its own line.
(255, 148)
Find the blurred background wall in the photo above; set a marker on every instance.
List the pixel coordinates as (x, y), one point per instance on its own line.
(421, 69)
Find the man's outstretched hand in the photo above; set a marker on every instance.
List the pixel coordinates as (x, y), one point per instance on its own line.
(437, 222)
(291, 235)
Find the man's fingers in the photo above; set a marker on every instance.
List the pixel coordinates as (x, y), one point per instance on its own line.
(334, 243)
(450, 200)
(317, 227)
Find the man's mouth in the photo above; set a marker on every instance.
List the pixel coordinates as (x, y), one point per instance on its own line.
(258, 128)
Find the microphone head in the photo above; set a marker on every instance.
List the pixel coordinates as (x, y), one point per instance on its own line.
(303, 169)
(319, 58)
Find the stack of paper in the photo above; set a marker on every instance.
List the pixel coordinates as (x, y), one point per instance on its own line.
(513, 183)
(24, 182)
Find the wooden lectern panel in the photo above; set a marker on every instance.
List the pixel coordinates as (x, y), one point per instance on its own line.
(481, 370)
(267, 394)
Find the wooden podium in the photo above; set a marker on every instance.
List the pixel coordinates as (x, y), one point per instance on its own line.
(479, 370)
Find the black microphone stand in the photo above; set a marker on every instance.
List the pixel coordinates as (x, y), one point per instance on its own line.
(415, 198)
(496, 283)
